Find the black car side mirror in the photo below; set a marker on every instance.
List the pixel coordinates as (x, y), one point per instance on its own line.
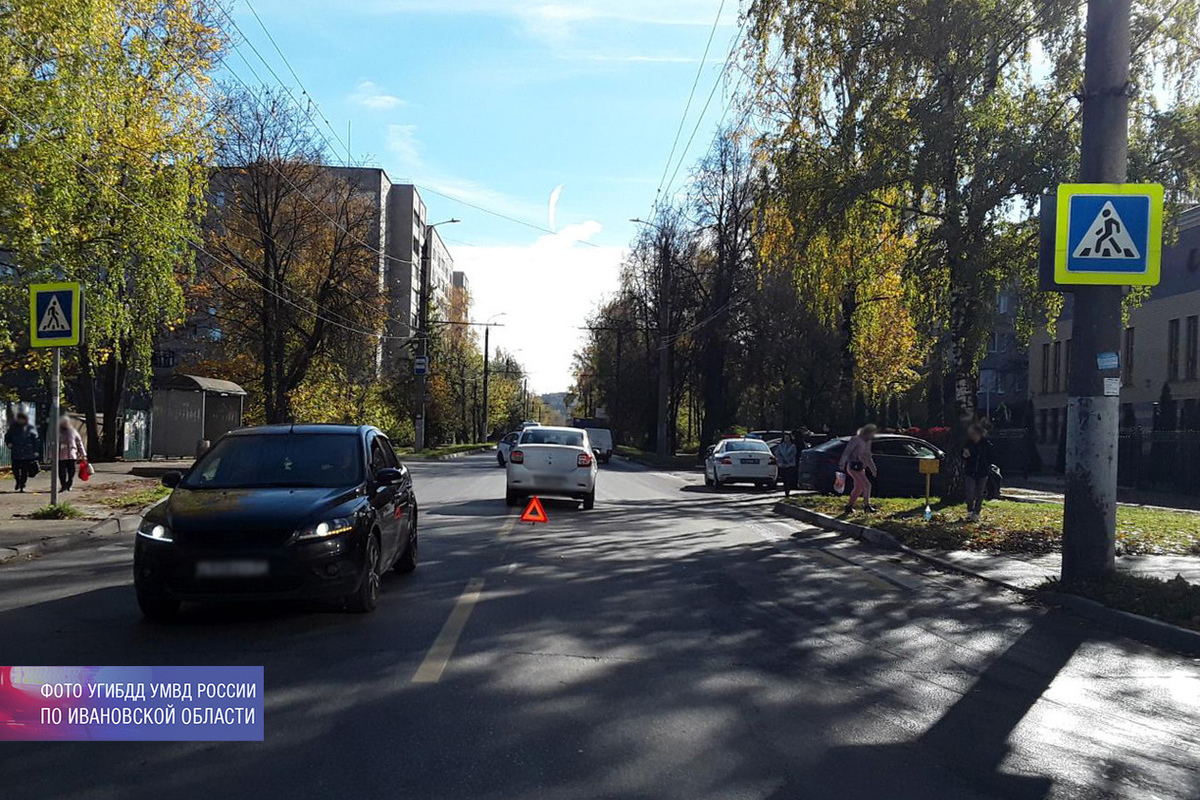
(172, 479)
(389, 476)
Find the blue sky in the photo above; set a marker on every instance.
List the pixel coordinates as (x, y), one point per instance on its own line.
(498, 103)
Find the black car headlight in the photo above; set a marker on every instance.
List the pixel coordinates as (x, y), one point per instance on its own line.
(323, 530)
(155, 530)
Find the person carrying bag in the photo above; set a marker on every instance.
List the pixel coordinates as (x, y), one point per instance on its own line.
(70, 452)
(22, 440)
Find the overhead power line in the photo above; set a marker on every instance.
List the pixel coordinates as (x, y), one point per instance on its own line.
(691, 95)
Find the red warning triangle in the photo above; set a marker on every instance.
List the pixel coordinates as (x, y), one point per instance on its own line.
(534, 512)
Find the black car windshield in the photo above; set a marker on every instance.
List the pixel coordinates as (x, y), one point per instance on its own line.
(544, 436)
(279, 460)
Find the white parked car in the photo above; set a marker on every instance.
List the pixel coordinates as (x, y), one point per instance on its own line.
(741, 461)
(505, 446)
(552, 461)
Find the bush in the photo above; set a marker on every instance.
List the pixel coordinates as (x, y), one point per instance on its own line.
(60, 511)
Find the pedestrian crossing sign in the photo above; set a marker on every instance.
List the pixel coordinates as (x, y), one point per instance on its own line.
(1109, 234)
(55, 314)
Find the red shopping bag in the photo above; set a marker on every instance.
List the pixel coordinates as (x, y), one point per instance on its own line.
(85, 471)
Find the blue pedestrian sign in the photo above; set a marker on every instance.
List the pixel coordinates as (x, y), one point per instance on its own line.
(421, 365)
(55, 314)
(1109, 234)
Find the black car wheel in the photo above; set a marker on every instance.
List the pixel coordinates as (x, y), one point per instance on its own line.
(589, 501)
(366, 597)
(511, 498)
(500, 458)
(408, 559)
(156, 605)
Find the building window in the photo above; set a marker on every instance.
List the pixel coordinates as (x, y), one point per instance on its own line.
(1057, 365)
(163, 359)
(1046, 368)
(1041, 431)
(1127, 362)
(1173, 350)
(1190, 351)
(1002, 303)
(1067, 365)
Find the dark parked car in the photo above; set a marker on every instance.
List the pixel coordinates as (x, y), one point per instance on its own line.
(285, 512)
(898, 458)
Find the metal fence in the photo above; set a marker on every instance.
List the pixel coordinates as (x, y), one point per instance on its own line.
(1163, 461)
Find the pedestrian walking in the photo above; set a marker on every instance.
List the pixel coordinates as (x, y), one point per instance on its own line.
(976, 468)
(25, 449)
(785, 457)
(70, 452)
(856, 461)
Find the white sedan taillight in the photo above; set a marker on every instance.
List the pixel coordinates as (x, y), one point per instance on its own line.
(516, 457)
(584, 460)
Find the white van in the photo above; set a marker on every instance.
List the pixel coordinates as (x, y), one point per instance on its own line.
(602, 443)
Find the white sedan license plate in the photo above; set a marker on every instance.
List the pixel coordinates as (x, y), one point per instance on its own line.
(749, 460)
(232, 569)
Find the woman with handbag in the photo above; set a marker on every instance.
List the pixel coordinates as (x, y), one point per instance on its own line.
(22, 440)
(856, 461)
(70, 452)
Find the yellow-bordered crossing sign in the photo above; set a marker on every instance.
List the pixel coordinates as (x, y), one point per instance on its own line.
(55, 314)
(1109, 234)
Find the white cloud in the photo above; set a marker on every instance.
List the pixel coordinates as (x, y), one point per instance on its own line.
(403, 144)
(371, 95)
(561, 282)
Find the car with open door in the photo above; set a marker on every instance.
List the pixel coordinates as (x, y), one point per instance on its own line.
(280, 512)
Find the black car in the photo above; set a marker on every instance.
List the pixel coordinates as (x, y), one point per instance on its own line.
(898, 458)
(283, 512)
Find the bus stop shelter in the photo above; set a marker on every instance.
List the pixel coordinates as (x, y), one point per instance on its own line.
(189, 409)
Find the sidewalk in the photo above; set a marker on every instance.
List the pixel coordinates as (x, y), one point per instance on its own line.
(1051, 487)
(23, 537)
(1027, 571)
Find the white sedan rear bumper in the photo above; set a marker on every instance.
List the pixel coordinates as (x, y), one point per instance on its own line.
(748, 473)
(571, 483)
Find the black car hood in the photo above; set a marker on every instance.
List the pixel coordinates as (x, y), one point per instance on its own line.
(282, 509)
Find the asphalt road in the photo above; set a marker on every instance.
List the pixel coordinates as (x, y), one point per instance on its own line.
(673, 643)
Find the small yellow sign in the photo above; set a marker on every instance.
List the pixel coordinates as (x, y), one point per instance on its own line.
(930, 466)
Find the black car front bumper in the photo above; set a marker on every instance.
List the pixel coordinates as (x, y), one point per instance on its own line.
(312, 570)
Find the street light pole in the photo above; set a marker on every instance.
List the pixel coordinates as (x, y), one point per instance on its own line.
(423, 333)
(487, 330)
(1090, 507)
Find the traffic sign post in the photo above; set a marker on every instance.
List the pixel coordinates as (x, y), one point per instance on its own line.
(55, 321)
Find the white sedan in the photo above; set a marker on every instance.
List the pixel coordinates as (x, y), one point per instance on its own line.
(741, 461)
(552, 461)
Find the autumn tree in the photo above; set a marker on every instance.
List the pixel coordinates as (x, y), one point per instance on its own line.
(106, 120)
(288, 266)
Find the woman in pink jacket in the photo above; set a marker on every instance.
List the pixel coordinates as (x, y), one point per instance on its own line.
(856, 461)
(70, 451)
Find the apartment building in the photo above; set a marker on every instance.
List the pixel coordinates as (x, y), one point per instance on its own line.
(1004, 369)
(1159, 348)
(397, 238)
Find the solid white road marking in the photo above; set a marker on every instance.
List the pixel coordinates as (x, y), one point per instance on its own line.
(439, 654)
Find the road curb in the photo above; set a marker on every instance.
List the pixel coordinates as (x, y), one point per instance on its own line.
(1135, 626)
(887, 541)
(451, 456)
(126, 523)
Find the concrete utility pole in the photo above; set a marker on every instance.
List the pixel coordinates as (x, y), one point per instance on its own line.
(1093, 420)
(486, 375)
(664, 355)
(423, 333)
